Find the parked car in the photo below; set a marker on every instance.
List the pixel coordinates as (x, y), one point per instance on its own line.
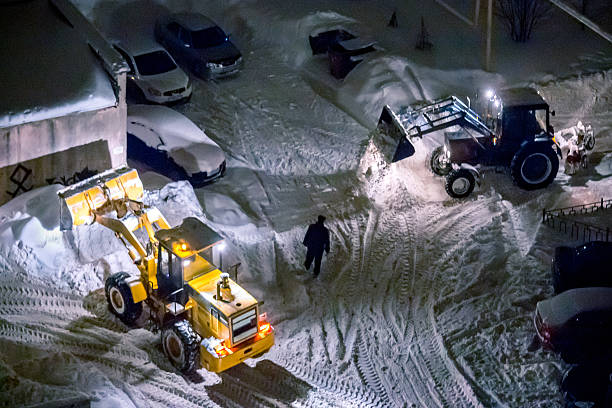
(576, 323)
(586, 265)
(198, 43)
(588, 385)
(154, 75)
(172, 145)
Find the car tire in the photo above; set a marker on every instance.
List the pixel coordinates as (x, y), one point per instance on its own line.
(435, 165)
(534, 166)
(459, 183)
(561, 268)
(120, 300)
(181, 345)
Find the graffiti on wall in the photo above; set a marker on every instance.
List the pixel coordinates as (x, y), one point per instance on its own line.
(75, 178)
(19, 177)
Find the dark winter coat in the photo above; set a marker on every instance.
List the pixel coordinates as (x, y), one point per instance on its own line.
(317, 238)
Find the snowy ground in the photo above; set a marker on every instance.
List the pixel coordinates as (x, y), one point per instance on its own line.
(424, 301)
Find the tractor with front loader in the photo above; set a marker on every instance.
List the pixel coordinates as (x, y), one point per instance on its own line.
(206, 318)
(514, 134)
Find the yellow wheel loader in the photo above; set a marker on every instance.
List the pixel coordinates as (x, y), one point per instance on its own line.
(206, 318)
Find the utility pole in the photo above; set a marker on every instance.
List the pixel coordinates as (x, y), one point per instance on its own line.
(489, 24)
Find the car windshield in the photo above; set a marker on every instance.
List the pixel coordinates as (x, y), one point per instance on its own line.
(209, 37)
(154, 63)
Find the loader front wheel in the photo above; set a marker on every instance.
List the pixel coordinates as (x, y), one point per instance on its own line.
(120, 300)
(181, 345)
(437, 162)
(459, 183)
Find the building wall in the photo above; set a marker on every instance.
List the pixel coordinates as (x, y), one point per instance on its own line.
(64, 149)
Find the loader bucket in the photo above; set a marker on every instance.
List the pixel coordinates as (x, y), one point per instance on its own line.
(389, 124)
(80, 201)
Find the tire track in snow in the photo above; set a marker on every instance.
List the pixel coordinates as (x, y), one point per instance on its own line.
(452, 387)
(362, 347)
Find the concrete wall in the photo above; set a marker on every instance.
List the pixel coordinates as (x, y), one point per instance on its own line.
(63, 149)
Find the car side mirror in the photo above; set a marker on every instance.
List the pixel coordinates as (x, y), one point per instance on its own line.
(552, 113)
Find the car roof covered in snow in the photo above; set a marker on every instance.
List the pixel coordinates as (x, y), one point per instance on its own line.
(139, 44)
(193, 21)
(522, 97)
(557, 310)
(175, 128)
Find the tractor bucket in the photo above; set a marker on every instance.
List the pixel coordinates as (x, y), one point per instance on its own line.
(97, 194)
(389, 124)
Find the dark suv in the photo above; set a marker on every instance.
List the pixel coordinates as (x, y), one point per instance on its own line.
(586, 265)
(196, 42)
(588, 385)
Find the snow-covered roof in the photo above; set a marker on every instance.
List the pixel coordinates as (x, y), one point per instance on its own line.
(557, 310)
(48, 68)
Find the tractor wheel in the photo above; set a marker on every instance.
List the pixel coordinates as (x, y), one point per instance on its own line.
(181, 345)
(459, 183)
(534, 166)
(436, 164)
(120, 300)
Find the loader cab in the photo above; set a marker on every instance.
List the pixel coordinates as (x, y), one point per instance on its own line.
(182, 254)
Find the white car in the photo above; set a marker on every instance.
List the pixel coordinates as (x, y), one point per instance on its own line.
(154, 75)
(172, 145)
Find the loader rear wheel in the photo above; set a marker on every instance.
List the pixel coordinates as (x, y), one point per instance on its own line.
(181, 345)
(437, 164)
(534, 166)
(120, 300)
(459, 183)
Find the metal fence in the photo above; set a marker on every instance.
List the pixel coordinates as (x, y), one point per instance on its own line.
(557, 218)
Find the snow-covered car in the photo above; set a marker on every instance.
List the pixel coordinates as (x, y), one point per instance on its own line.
(198, 43)
(171, 144)
(588, 385)
(583, 266)
(154, 75)
(576, 323)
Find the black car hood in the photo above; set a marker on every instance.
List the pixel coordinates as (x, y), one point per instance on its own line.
(222, 52)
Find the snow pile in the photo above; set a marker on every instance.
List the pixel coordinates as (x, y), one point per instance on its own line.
(31, 240)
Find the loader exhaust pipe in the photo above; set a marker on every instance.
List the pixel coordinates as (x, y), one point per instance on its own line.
(224, 291)
(390, 125)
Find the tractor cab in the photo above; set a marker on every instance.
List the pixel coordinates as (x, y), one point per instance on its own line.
(523, 116)
(184, 253)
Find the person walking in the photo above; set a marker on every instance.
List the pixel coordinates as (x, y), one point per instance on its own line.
(317, 241)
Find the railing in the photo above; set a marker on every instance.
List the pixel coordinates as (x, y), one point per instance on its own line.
(556, 218)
